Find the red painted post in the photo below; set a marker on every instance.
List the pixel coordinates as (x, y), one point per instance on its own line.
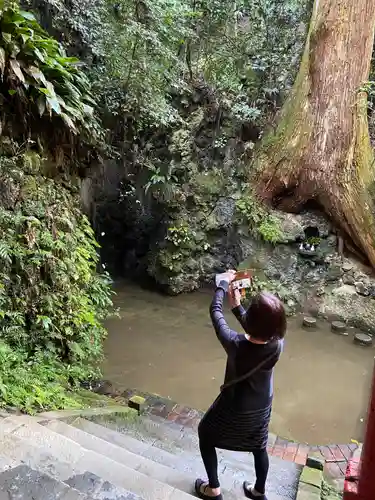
(366, 483)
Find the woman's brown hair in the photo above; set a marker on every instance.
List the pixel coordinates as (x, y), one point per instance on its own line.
(265, 318)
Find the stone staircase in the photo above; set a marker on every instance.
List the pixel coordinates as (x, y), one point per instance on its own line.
(112, 456)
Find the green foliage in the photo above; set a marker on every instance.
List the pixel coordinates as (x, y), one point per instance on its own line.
(314, 240)
(36, 383)
(329, 492)
(260, 222)
(52, 301)
(250, 50)
(182, 246)
(142, 41)
(179, 236)
(40, 77)
(149, 51)
(269, 229)
(261, 284)
(159, 179)
(186, 89)
(369, 88)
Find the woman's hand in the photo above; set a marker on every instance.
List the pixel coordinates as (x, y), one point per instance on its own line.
(229, 276)
(234, 297)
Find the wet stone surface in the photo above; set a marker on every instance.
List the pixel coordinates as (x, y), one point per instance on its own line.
(347, 266)
(182, 444)
(177, 447)
(362, 288)
(363, 339)
(338, 327)
(309, 322)
(24, 483)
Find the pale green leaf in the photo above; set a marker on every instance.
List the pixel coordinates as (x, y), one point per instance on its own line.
(2, 61)
(16, 68)
(44, 91)
(37, 74)
(25, 38)
(7, 37)
(51, 89)
(69, 122)
(27, 15)
(88, 110)
(53, 105)
(39, 55)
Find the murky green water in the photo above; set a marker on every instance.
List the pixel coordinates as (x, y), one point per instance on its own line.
(167, 345)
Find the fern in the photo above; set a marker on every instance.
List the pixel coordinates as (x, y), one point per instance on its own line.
(5, 253)
(42, 77)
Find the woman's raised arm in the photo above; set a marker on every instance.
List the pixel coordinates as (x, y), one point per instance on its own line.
(225, 335)
(235, 304)
(240, 313)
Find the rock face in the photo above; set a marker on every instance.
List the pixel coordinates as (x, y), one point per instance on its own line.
(354, 309)
(294, 227)
(207, 237)
(321, 285)
(325, 285)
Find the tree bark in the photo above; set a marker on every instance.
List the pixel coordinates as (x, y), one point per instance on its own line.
(321, 148)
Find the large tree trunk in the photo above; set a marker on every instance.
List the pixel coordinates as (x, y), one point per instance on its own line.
(321, 148)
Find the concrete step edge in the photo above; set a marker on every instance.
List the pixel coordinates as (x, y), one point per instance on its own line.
(231, 475)
(24, 452)
(142, 448)
(151, 468)
(83, 460)
(85, 412)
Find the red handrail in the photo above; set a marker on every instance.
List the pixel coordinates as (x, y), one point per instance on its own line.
(360, 480)
(366, 480)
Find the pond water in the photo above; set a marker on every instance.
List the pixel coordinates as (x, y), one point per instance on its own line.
(167, 345)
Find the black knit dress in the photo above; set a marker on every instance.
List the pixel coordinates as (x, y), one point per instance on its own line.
(238, 420)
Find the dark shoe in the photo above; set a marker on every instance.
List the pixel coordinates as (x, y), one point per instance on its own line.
(198, 486)
(247, 488)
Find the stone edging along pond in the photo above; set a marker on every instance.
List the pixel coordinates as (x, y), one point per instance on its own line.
(333, 458)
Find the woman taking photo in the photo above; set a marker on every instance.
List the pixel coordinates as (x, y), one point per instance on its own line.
(238, 420)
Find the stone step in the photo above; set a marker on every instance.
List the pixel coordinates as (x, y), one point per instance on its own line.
(149, 429)
(165, 474)
(16, 451)
(142, 448)
(234, 467)
(25, 483)
(86, 412)
(83, 460)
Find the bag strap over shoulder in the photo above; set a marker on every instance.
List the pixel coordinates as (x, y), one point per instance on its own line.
(253, 370)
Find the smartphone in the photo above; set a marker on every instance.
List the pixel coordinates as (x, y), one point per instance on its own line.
(242, 281)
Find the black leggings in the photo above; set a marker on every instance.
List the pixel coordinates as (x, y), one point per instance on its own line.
(209, 458)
